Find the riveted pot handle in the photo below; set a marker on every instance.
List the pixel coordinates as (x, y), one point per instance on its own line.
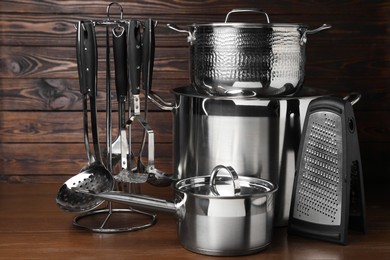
(233, 174)
(246, 10)
(190, 37)
(321, 28)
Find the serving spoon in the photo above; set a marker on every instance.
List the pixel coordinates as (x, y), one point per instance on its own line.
(94, 176)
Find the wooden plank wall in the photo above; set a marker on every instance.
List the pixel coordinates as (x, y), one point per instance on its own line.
(40, 106)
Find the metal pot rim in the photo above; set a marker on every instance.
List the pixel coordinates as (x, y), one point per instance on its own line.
(252, 25)
(189, 91)
(186, 184)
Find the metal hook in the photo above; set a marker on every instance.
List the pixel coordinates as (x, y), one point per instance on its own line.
(115, 33)
(108, 10)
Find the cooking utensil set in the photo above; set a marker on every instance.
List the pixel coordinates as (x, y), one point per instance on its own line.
(243, 108)
(133, 44)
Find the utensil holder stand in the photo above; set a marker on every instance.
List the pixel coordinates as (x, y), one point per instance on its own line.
(102, 220)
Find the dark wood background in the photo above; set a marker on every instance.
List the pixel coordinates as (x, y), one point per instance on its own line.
(40, 105)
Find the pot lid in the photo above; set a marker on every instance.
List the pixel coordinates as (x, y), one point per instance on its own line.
(224, 186)
(268, 24)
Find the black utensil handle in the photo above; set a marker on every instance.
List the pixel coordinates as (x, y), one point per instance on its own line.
(120, 61)
(80, 57)
(90, 57)
(148, 49)
(134, 56)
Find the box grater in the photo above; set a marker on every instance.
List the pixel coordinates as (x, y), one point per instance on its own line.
(328, 194)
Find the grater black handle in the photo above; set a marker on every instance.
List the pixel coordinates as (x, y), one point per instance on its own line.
(325, 233)
(332, 104)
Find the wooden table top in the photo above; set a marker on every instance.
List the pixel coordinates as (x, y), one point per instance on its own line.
(33, 227)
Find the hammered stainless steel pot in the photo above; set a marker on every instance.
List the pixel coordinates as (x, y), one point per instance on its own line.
(216, 215)
(262, 59)
(259, 137)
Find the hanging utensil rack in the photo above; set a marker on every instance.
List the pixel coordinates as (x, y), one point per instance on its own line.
(89, 219)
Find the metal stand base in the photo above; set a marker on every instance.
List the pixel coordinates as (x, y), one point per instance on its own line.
(107, 227)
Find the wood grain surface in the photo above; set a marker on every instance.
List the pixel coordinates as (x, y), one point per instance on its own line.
(33, 227)
(40, 104)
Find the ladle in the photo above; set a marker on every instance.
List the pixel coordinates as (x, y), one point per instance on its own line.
(81, 60)
(95, 176)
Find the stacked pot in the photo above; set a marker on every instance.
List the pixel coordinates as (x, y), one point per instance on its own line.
(245, 106)
(260, 59)
(242, 114)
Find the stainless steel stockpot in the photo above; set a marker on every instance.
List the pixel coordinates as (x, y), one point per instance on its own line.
(216, 214)
(258, 137)
(263, 59)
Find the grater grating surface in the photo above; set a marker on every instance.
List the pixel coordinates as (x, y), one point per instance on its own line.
(329, 181)
(319, 193)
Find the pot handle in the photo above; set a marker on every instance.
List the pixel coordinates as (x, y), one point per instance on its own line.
(244, 10)
(353, 97)
(321, 28)
(190, 37)
(141, 201)
(160, 102)
(233, 174)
